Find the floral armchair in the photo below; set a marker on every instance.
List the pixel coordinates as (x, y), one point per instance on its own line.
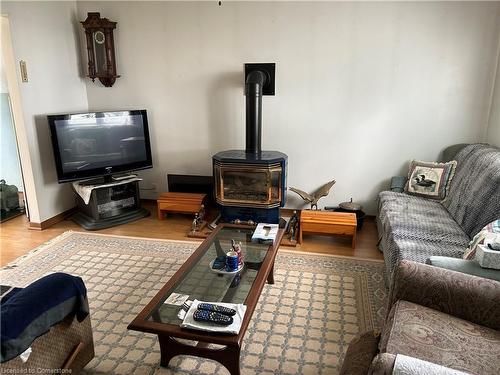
(436, 315)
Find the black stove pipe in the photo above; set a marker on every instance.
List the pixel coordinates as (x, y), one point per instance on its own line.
(253, 91)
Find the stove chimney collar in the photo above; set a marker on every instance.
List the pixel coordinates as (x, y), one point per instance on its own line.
(268, 69)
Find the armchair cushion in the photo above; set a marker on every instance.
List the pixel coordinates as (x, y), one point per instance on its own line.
(433, 336)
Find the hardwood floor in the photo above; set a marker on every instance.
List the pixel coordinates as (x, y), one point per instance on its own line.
(17, 239)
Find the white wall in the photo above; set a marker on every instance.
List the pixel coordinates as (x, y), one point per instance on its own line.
(44, 34)
(493, 132)
(361, 88)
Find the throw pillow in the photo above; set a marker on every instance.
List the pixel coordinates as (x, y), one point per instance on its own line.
(430, 180)
(489, 233)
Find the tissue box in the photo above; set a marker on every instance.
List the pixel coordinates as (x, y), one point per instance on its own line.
(488, 258)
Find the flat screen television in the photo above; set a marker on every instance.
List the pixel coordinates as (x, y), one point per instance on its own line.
(99, 144)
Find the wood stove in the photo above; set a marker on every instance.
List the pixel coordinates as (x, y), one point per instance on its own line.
(250, 184)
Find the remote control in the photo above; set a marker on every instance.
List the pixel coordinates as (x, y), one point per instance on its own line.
(212, 317)
(216, 308)
(219, 263)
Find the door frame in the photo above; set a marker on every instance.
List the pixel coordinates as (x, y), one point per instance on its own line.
(10, 68)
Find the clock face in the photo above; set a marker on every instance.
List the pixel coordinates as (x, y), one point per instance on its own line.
(100, 52)
(99, 37)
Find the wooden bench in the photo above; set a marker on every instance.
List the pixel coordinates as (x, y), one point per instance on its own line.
(328, 222)
(185, 203)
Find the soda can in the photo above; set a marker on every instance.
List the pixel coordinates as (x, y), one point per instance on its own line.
(231, 261)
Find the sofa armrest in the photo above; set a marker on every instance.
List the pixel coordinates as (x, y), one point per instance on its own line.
(360, 353)
(468, 297)
(470, 267)
(52, 349)
(398, 183)
(383, 364)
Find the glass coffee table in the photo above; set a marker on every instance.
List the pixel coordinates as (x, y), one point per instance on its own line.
(196, 279)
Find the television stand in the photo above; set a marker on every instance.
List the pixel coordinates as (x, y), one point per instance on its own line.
(109, 206)
(107, 179)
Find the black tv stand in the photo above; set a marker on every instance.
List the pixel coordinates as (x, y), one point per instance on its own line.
(106, 179)
(97, 181)
(110, 206)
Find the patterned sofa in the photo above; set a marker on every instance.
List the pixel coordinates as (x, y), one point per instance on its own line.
(416, 228)
(437, 315)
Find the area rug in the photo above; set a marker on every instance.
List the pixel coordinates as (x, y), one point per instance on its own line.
(302, 324)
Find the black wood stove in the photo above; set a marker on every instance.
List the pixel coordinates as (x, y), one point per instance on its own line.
(250, 184)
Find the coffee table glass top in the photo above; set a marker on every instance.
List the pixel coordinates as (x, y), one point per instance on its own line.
(201, 283)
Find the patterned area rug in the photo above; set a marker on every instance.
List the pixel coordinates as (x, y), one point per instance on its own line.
(302, 324)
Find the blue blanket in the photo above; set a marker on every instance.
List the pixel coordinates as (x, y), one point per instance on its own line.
(30, 312)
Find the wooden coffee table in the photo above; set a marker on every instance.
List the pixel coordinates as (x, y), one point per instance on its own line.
(195, 279)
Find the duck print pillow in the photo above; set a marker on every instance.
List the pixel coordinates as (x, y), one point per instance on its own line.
(430, 180)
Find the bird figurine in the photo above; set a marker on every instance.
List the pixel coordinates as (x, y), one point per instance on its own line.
(422, 181)
(313, 198)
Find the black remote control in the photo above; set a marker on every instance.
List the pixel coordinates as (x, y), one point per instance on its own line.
(216, 308)
(212, 317)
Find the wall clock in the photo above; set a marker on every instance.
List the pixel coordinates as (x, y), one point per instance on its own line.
(100, 48)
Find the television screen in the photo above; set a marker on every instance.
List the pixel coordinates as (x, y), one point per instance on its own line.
(100, 143)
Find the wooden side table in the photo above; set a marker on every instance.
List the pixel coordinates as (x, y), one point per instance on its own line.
(328, 222)
(189, 203)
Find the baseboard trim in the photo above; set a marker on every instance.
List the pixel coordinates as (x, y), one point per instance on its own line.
(63, 215)
(52, 221)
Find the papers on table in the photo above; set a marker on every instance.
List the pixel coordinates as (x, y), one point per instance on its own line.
(176, 299)
(265, 233)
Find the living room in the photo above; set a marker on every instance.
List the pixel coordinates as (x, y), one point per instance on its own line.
(360, 90)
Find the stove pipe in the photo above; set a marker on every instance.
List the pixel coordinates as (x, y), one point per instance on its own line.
(253, 91)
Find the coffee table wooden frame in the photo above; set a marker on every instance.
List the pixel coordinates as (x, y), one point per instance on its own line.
(229, 355)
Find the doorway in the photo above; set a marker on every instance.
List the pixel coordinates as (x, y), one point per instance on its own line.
(18, 193)
(12, 202)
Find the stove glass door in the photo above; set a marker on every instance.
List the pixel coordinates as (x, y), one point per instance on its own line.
(248, 185)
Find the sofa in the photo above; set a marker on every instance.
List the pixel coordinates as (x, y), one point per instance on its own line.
(444, 317)
(416, 228)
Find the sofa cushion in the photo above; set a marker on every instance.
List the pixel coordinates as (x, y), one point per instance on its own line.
(429, 180)
(473, 199)
(443, 339)
(416, 228)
